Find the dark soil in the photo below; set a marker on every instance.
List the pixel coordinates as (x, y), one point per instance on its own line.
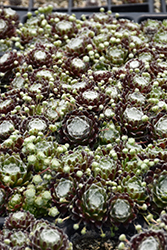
(94, 244)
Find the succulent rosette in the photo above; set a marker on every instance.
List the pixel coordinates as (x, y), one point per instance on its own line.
(63, 187)
(136, 188)
(101, 75)
(126, 148)
(156, 100)
(9, 101)
(99, 40)
(75, 65)
(133, 166)
(103, 18)
(9, 61)
(133, 121)
(41, 84)
(34, 145)
(116, 55)
(121, 209)
(34, 124)
(5, 193)
(156, 151)
(132, 81)
(93, 100)
(6, 128)
(56, 109)
(150, 27)
(159, 125)
(127, 25)
(73, 168)
(113, 90)
(146, 54)
(132, 38)
(78, 46)
(135, 64)
(159, 37)
(39, 56)
(149, 239)
(136, 98)
(161, 51)
(90, 203)
(11, 14)
(19, 220)
(127, 152)
(13, 143)
(15, 201)
(38, 91)
(41, 74)
(158, 66)
(77, 159)
(17, 82)
(91, 26)
(60, 15)
(13, 170)
(16, 239)
(158, 189)
(105, 164)
(45, 236)
(34, 27)
(109, 132)
(7, 125)
(64, 27)
(8, 23)
(79, 128)
(42, 153)
(77, 86)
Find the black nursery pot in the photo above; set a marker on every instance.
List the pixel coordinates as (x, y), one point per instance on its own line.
(131, 10)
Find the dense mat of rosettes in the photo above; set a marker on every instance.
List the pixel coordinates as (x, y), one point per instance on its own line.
(83, 126)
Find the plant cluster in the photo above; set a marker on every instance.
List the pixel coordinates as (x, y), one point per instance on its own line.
(83, 125)
(22, 231)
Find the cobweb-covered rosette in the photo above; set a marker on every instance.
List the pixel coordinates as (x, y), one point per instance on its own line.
(16, 239)
(78, 46)
(9, 100)
(76, 66)
(34, 124)
(93, 100)
(90, 203)
(122, 209)
(79, 128)
(9, 20)
(9, 61)
(157, 186)
(63, 188)
(45, 236)
(133, 121)
(19, 220)
(150, 239)
(135, 187)
(39, 56)
(7, 125)
(13, 171)
(159, 125)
